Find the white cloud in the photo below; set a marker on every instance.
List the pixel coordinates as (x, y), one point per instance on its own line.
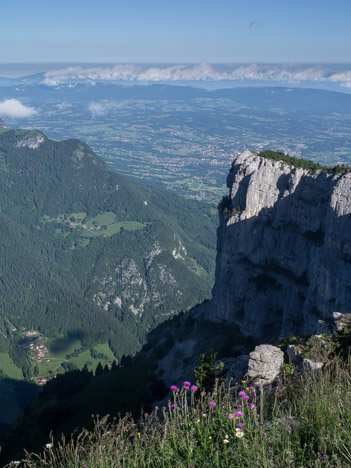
(100, 108)
(14, 109)
(203, 72)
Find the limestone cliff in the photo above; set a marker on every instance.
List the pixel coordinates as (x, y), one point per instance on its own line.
(284, 248)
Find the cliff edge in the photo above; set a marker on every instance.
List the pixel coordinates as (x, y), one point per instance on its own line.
(283, 249)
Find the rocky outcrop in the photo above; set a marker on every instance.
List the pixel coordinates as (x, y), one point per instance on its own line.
(264, 364)
(2, 125)
(283, 250)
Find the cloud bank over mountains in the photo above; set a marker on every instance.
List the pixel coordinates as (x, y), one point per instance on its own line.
(289, 74)
(14, 109)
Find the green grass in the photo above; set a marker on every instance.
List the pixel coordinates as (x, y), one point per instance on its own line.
(103, 219)
(105, 349)
(303, 422)
(61, 346)
(115, 228)
(9, 367)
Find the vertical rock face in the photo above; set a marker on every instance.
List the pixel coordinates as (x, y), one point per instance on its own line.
(284, 248)
(2, 125)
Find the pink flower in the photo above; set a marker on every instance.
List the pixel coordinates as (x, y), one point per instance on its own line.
(246, 397)
(240, 425)
(194, 388)
(230, 415)
(174, 388)
(212, 404)
(172, 406)
(156, 407)
(242, 393)
(239, 414)
(252, 406)
(216, 379)
(186, 384)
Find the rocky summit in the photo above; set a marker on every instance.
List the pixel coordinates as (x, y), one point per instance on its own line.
(284, 248)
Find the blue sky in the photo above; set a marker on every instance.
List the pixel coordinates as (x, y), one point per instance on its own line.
(169, 31)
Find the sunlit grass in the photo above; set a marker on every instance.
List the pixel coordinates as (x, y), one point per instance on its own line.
(303, 422)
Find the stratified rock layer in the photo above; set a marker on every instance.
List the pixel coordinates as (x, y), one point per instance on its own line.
(284, 248)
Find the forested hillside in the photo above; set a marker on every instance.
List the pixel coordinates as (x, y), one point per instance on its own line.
(90, 256)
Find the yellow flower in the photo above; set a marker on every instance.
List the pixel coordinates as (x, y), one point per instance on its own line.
(243, 381)
(139, 435)
(339, 424)
(247, 388)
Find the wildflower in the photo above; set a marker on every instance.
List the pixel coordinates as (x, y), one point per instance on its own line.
(239, 406)
(197, 421)
(174, 388)
(193, 388)
(246, 397)
(239, 434)
(156, 407)
(230, 415)
(216, 379)
(339, 424)
(186, 384)
(252, 406)
(242, 393)
(172, 406)
(260, 386)
(243, 381)
(138, 434)
(325, 457)
(16, 462)
(277, 387)
(210, 437)
(226, 441)
(240, 425)
(49, 445)
(239, 414)
(212, 404)
(146, 414)
(231, 378)
(257, 415)
(247, 388)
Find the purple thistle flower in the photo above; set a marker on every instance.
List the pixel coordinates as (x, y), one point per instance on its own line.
(239, 406)
(252, 406)
(212, 404)
(186, 384)
(194, 388)
(172, 406)
(174, 388)
(230, 415)
(242, 393)
(246, 397)
(240, 425)
(216, 379)
(239, 414)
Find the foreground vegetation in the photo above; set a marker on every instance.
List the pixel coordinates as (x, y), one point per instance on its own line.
(300, 422)
(303, 163)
